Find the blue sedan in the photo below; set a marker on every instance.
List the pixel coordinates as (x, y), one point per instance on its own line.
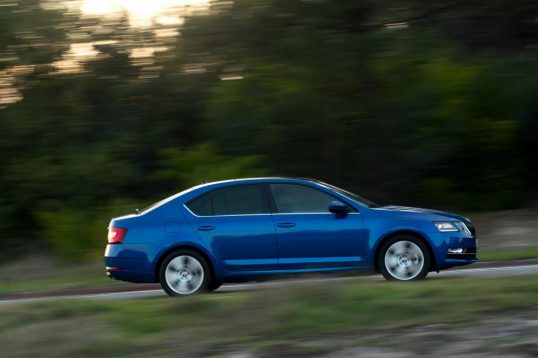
(247, 228)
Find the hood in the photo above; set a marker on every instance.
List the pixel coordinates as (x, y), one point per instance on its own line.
(425, 211)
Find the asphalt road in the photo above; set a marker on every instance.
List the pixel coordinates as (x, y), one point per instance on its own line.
(476, 272)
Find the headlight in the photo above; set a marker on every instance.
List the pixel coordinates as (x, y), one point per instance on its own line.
(462, 227)
(445, 226)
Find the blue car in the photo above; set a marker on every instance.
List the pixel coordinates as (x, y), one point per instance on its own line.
(239, 230)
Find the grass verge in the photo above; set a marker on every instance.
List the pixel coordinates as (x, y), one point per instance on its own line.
(38, 274)
(508, 254)
(218, 322)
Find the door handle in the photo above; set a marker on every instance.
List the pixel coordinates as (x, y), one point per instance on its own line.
(286, 224)
(205, 228)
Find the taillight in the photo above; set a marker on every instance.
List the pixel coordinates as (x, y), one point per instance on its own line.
(116, 235)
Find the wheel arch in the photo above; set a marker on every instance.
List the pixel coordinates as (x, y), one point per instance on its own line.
(402, 232)
(178, 247)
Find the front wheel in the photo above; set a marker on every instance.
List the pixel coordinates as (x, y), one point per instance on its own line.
(403, 259)
(184, 273)
(214, 285)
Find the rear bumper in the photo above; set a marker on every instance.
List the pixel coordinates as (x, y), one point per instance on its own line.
(130, 262)
(131, 276)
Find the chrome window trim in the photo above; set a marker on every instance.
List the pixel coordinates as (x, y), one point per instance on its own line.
(214, 216)
(313, 213)
(262, 214)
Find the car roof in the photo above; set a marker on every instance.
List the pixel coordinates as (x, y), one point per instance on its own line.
(257, 179)
(249, 181)
(217, 184)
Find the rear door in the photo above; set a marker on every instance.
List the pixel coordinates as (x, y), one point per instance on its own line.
(309, 236)
(235, 222)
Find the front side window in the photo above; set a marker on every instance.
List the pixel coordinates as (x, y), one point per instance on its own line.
(232, 200)
(293, 198)
(352, 196)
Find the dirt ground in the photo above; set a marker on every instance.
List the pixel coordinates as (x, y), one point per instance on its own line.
(512, 229)
(512, 335)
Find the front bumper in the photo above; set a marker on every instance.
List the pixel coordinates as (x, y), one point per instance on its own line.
(463, 253)
(455, 249)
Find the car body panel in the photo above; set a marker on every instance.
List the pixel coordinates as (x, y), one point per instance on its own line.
(238, 242)
(243, 246)
(319, 240)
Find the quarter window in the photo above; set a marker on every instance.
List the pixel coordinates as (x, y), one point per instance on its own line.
(232, 200)
(292, 198)
(201, 205)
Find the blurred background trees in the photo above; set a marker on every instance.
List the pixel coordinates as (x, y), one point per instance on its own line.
(412, 102)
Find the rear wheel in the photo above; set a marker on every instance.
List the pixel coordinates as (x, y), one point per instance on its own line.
(404, 258)
(184, 273)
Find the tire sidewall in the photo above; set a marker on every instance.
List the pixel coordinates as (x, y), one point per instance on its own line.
(207, 272)
(214, 285)
(425, 253)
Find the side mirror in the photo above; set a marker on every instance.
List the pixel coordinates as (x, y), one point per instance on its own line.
(337, 207)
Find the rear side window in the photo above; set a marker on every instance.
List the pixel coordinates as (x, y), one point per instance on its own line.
(232, 200)
(292, 198)
(201, 205)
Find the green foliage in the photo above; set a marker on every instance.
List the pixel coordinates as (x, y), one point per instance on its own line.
(426, 104)
(76, 234)
(191, 166)
(29, 33)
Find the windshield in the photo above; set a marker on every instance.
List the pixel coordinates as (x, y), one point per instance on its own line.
(354, 197)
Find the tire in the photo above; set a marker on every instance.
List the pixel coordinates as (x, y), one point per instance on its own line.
(404, 258)
(184, 273)
(214, 285)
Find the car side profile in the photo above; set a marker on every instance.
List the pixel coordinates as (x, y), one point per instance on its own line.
(240, 230)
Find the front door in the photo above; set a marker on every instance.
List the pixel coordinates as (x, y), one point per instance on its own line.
(309, 236)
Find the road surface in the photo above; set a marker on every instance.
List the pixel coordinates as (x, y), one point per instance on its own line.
(531, 269)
